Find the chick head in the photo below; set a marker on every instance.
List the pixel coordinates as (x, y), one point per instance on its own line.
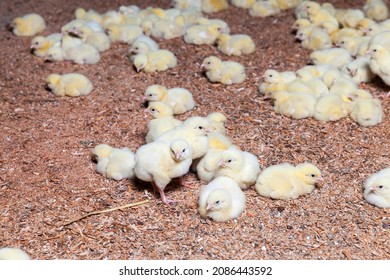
(38, 42)
(54, 54)
(217, 117)
(211, 63)
(52, 80)
(155, 93)
(271, 76)
(367, 26)
(218, 199)
(180, 150)
(329, 27)
(200, 126)
(18, 23)
(352, 69)
(381, 187)
(309, 173)
(112, 29)
(140, 61)
(159, 109)
(231, 158)
(147, 26)
(311, 7)
(222, 38)
(101, 151)
(376, 51)
(80, 13)
(139, 47)
(299, 23)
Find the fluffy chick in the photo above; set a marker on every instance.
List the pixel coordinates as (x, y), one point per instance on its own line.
(367, 111)
(218, 122)
(202, 34)
(377, 189)
(331, 107)
(223, 25)
(90, 15)
(28, 25)
(40, 45)
(155, 61)
(376, 10)
(241, 166)
(72, 84)
(123, 33)
(336, 57)
(194, 130)
(8, 253)
(79, 53)
(272, 76)
(114, 163)
(224, 72)
(285, 181)
(359, 70)
(163, 122)
(179, 99)
(380, 62)
(214, 6)
(318, 14)
(236, 44)
(143, 44)
(221, 200)
(97, 39)
(314, 38)
(297, 105)
(159, 162)
(264, 9)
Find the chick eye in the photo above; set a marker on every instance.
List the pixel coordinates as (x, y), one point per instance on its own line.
(183, 150)
(153, 110)
(150, 95)
(229, 160)
(200, 127)
(136, 48)
(312, 175)
(370, 29)
(271, 76)
(217, 202)
(209, 63)
(380, 187)
(374, 50)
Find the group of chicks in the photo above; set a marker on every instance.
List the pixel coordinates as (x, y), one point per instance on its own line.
(349, 48)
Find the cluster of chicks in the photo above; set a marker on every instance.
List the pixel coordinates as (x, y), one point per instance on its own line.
(173, 147)
(349, 48)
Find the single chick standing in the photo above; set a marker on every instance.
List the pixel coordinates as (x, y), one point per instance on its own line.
(114, 163)
(224, 72)
(72, 84)
(159, 162)
(221, 200)
(377, 189)
(285, 181)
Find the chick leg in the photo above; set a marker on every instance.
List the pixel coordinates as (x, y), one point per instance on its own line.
(183, 184)
(162, 194)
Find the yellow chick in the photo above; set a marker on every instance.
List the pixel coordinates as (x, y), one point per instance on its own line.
(202, 34)
(224, 72)
(72, 84)
(288, 4)
(83, 54)
(376, 10)
(112, 17)
(272, 76)
(332, 107)
(369, 27)
(77, 23)
(349, 17)
(343, 85)
(214, 6)
(53, 54)
(379, 62)
(224, 27)
(194, 130)
(352, 44)
(314, 38)
(236, 44)
(187, 4)
(297, 105)
(8, 253)
(377, 189)
(123, 33)
(114, 163)
(207, 166)
(245, 4)
(155, 61)
(241, 166)
(97, 39)
(218, 122)
(143, 44)
(301, 22)
(168, 29)
(285, 181)
(359, 70)
(90, 15)
(344, 32)
(160, 162)
(163, 122)
(28, 25)
(318, 14)
(221, 200)
(40, 45)
(367, 111)
(336, 57)
(264, 9)
(179, 99)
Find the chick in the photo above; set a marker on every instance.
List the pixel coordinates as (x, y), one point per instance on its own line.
(167, 29)
(97, 39)
(79, 52)
(318, 14)
(194, 130)
(90, 15)
(179, 99)
(359, 70)
(379, 62)
(237, 44)
(285, 181)
(272, 76)
(218, 122)
(287, 4)
(123, 33)
(223, 25)
(367, 111)
(376, 10)
(343, 85)
(8, 253)
(202, 34)
(187, 4)
(299, 23)
(377, 189)
(72, 84)
(224, 72)
(297, 105)
(28, 25)
(336, 57)
(163, 122)
(114, 163)
(159, 162)
(155, 61)
(40, 45)
(349, 17)
(332, 107)
(344, 32)
(314, 38)
(245, 4)
(264, 8)
(241, 166)
(77, 23)
(214, 6)
(143, 44)
(221, 200)
(53, 54)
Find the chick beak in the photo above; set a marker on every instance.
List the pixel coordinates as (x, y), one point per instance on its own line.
(374, 189)
(221, 163)
(178, 155)
(32, 47)
(209, 207)
(368, 52)
(203, 66)
(208, 129)
(137, 69)
(146, 110)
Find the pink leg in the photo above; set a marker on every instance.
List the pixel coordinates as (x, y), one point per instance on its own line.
(183, 184)
(164, 199)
